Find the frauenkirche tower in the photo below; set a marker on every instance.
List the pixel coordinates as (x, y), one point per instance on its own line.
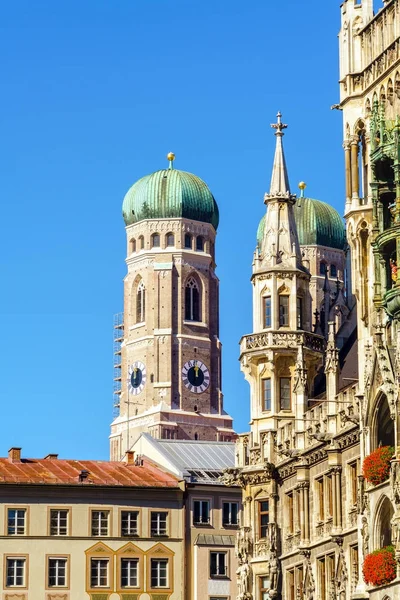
(167, 347)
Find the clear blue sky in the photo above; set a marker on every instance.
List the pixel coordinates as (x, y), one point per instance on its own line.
(94, 94)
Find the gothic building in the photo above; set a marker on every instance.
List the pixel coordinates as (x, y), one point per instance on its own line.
(323, 360)
(167, 349)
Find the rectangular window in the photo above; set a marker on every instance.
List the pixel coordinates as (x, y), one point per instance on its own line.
(230, 513)
(100, 520)
(58, 522)
(299, 313)
(263, 518)
(266, 386)
(267, 312)
(299, 578)
(264, 588)
(159, 523)
(321, 499)
(353, 476)
(129, 523)
(322, 579)
(290, 585)
(57, 570)
(218, 564)
(283, 311)
(129, 572)
(15, 576)
(159, 573)
(16, 521)
(284, 393)
(290, 513)
(354, 567)
(201, 512)
(99, 569)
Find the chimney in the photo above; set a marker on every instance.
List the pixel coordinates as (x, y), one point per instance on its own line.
(51, 457)
(130, 457)
(14, 455)
(83, 475)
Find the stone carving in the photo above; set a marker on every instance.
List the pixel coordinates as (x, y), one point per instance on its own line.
(243, 581)
(365, 536)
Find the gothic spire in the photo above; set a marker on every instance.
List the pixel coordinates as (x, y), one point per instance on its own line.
(279, 179)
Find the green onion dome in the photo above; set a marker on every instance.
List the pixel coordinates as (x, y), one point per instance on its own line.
(169, 194)
(318, 224)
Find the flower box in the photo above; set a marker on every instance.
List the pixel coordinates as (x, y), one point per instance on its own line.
(379, 567)
(376, 466)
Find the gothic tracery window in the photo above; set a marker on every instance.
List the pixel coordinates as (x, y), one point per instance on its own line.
(140, 302)
(192, 300)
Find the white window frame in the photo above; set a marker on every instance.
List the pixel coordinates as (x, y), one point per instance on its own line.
(58, 573)
(132, 519)
(158, 564)
(14, 560)
(15, 525)
(99, 575)
(201, 501)
(230, 502)
(129, 583)
(161, 525)
(97, 514)
(219, 574)
(58, 525)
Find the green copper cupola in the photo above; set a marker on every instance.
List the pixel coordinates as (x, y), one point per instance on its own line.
(170, 193)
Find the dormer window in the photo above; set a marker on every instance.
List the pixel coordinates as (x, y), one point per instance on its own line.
(283, 311)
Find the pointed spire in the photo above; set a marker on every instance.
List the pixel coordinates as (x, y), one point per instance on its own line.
(279, 179)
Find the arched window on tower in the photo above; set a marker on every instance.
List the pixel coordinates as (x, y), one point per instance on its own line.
(188, 240)
(141, 242)
(333, 271)
(322, 268)
(155, 239)
(170, 239)
(132, 245)
(200, 243)
(384, 424)
(140, 302)
(192, 300)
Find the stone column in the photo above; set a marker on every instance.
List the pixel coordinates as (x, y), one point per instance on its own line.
(347, 163)
(306, 512)
(337, 497)
(355, 178)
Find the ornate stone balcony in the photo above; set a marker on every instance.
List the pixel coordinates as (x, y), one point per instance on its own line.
(281, 339)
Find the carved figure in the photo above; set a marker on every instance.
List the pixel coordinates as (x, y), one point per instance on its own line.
(365, 536)
(274, 566)
(243, 580)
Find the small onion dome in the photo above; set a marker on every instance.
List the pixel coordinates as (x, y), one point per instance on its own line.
(318, 224)
(170, 194)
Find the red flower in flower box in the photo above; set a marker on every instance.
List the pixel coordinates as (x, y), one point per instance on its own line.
(376, 466)
(379, 567)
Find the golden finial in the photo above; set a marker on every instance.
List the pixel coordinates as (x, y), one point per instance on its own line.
(302, 185)
(171, 158)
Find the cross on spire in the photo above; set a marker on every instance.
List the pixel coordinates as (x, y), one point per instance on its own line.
(279, 126)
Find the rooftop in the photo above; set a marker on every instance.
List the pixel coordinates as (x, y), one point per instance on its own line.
(200, 461)
(54, 471)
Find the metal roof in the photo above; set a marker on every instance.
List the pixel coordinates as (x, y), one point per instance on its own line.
(200, 461)
(208, 539)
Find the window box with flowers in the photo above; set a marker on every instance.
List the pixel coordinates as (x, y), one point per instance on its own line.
(376, 466)
(379, 567)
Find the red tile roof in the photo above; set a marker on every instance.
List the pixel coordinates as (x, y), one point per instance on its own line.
(66, 472)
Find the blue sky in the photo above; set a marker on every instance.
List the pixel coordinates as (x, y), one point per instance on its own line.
(94, 94)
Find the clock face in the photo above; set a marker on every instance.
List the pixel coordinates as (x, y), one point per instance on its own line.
(196, 376)
(137, 378)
